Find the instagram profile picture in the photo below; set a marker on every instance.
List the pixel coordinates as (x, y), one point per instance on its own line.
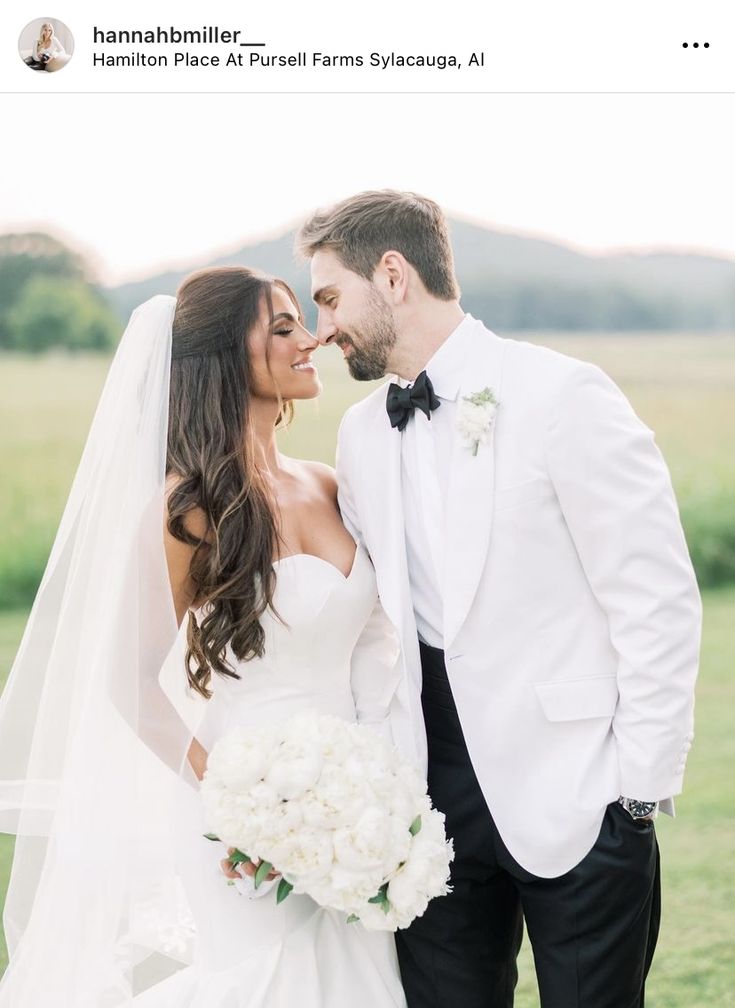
(46, 45)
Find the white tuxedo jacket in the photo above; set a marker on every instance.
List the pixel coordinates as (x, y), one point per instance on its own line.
(571, 611)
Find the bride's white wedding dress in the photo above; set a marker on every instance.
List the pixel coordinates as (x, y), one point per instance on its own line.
(251, 952)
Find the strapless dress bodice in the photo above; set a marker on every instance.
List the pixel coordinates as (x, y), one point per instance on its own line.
(319, 616)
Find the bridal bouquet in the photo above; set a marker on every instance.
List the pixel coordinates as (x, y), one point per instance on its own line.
(333, 808)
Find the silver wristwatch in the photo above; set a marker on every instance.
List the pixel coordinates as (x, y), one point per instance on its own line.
(639, 809)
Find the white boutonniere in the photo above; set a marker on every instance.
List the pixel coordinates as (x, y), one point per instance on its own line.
(476, 416)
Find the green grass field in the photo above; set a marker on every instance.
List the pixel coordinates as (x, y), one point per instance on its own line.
(680, 386)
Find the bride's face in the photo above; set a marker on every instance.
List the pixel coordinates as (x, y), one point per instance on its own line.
(288, 368)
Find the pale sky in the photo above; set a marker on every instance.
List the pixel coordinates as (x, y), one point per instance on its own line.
(145, 182)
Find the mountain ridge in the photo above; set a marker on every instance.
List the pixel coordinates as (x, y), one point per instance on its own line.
(516, 282)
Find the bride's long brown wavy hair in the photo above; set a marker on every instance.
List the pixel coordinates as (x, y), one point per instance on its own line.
(211, 452)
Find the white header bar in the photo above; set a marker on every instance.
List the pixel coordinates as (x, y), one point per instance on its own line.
(383, 46)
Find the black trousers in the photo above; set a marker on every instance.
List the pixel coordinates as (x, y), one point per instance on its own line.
(593, 930)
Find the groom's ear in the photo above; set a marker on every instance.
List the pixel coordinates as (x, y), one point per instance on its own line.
(392, 276)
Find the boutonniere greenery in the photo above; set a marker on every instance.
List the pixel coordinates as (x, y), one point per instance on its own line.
(475, 418)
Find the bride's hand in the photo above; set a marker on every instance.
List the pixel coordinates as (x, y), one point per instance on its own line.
(249, 867)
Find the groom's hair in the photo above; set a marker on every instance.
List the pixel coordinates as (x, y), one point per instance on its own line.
(359, 230)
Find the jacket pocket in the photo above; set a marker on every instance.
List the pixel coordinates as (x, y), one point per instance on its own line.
(523, 493)
(574, 699)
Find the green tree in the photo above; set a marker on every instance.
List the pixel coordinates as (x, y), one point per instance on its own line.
(23, 256)
(55, 312)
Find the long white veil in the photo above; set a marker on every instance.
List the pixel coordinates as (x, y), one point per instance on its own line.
(95, 722)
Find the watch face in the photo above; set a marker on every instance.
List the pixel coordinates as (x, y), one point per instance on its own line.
(640, 809)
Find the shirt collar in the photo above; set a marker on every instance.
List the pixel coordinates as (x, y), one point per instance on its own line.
(446, 366)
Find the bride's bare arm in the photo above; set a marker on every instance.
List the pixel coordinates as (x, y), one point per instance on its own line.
(197, 758)
(178, 559)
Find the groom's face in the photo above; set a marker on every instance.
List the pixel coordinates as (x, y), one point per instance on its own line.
(354, 315)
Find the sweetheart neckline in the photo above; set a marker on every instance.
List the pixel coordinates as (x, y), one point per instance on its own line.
(345, 577)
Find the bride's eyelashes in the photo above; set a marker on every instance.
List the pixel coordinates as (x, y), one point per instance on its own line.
(283, 332)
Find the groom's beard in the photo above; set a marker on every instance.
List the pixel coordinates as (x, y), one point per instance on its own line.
(372, 340)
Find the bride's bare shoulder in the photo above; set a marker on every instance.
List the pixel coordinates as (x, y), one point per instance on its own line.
(321, 473)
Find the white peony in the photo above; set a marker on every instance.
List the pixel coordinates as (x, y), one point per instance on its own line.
(280, 822)
(243, 761)
(374, 918)
(364, 844)
(306, 854)
(344, 795)
(335, 743)
(295, 768)
(404, 889)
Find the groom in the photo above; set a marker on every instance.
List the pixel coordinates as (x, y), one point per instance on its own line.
(529, 552)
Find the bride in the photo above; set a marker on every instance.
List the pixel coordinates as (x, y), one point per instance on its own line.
(199, 580)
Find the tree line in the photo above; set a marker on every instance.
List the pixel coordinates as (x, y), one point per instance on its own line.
(48, 299)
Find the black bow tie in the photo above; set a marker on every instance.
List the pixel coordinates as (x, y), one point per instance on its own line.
(401, 402)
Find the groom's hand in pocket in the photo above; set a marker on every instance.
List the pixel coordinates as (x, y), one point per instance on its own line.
(249, 867)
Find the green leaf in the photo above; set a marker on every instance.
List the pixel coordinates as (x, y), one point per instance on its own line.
(352, 918)
(264, 868)
(284, 888)
(211, 836)
(237, 857)
(484, 398)
(381, 896)
(415, 826)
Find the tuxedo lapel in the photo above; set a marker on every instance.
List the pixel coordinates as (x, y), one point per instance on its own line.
(391, 568)
(470, 491)
(390, 559)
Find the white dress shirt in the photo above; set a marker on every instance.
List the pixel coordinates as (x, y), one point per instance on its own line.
(426, 455)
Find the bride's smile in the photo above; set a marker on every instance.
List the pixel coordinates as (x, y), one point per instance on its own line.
(282, 352)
